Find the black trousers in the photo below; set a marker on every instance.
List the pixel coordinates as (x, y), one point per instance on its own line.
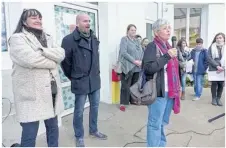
(217, 89)
(126, 83)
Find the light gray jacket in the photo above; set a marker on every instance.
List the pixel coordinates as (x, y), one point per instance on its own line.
(31, 77)
(128, 53)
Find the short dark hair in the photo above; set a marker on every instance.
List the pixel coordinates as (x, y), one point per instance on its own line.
(129, 26)
(199, 40)
(23, 18)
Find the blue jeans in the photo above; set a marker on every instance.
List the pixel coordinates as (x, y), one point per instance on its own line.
(30, 130)
(80, 100)
(198, 84)
(158, 116)
(183, 81)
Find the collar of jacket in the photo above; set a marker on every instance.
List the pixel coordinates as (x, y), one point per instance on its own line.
(29, 34)
(77, 36)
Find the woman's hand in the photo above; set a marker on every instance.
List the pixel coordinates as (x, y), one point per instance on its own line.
(172, 52)
(219, 69)
(138, 63)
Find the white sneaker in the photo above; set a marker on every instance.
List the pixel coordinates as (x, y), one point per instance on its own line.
(196, 99)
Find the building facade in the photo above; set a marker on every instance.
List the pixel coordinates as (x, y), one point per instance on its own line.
(109, 22)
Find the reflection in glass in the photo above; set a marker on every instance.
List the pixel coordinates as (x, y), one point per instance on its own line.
(180, 22)
(194, 26)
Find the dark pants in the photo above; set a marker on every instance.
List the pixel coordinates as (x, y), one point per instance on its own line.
(217, 89)
(126, 83)
(80, 100)
(30, 130)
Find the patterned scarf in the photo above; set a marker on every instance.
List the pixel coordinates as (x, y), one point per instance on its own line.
(172, 75)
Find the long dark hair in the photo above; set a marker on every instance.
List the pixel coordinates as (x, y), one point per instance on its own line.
(23, 18)
(215, 38)
(179, 43)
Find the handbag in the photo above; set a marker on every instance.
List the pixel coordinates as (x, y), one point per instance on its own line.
(144, 92)
(117, 67)
(53, 84)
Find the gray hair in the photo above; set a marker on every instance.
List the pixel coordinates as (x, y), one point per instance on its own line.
(157, 24)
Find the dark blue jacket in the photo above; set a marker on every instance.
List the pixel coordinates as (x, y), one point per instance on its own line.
(81, 63)
(202, 63)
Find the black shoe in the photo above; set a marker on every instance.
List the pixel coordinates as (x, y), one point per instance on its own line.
(15, 145)
(214, 101)
(219, 103)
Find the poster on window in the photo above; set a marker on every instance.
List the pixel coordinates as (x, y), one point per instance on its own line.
(4, 34)
(65, 21)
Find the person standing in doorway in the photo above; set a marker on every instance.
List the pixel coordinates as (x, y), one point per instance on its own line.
(81, 66)
(216, 54)
(199, 56)
(130, 55)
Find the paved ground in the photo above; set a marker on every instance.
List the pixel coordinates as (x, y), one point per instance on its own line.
(128, 129)
(190, 128)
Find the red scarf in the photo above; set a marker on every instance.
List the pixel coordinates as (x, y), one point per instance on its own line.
(172, 75)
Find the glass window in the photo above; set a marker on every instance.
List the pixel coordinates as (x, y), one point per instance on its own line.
(180, 22)
(194, 25)
(4, 34)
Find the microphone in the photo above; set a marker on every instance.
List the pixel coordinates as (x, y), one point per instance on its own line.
(174, 41)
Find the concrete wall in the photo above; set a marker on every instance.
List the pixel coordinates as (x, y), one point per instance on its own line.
(216, 20)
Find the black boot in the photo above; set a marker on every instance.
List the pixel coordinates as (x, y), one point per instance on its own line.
(219, 103)
(214, 101)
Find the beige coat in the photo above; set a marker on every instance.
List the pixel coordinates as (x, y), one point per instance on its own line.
(31, 77)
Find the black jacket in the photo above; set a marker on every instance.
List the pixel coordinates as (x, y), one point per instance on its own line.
(153, 64)
(81, 63)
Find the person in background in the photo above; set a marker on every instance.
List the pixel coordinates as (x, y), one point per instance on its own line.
(216, 54)
(35, 78)
(144, 43)
(161, 58)
(130, 55)
(139, 38)
(199, 56)
(184, 51)
(81, 66)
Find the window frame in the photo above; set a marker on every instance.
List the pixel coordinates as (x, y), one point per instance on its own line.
(188, 7)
